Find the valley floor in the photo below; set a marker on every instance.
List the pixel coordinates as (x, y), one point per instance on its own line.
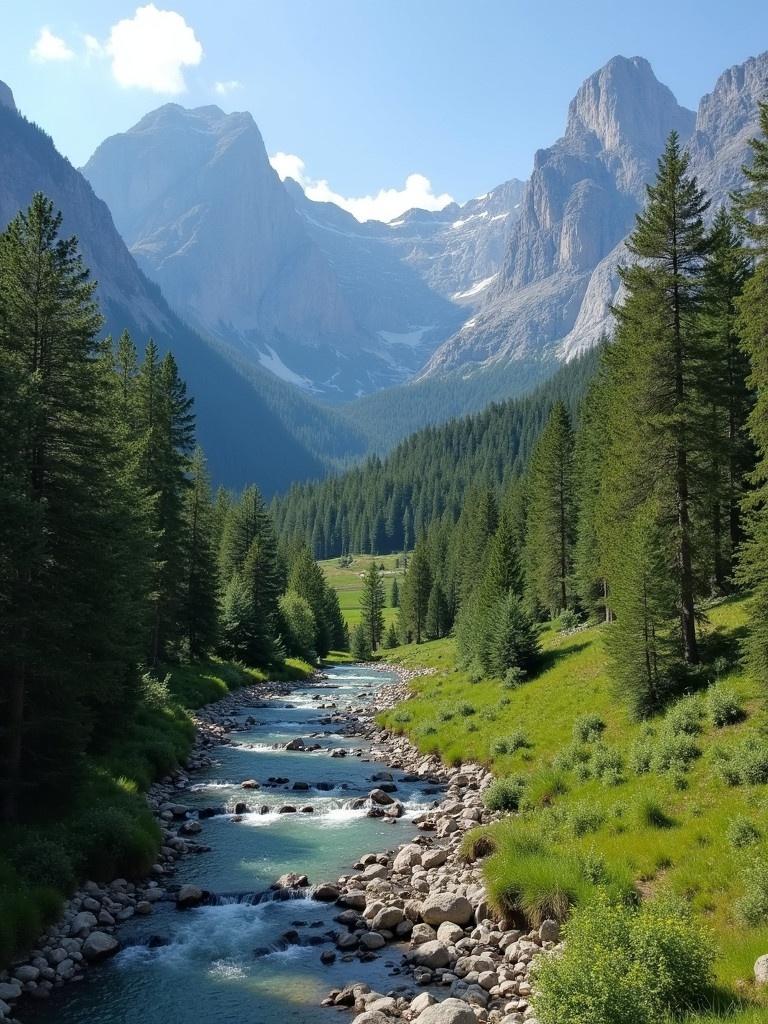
(660, 805)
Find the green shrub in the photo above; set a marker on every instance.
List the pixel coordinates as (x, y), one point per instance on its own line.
(584, 818)
(752, 907)
(746, 764)
(624, 966)
(572, 757)
(742, 832)
(651, 814)
(113, 840)
(673, 751)
(567, 620)
(724, 707)
(466, 710)
(685, 717)
(516, 740)
(544, 787)
(514, 677)
(588, 728)
(606, 765)
(537, 883)
(504, 794)
(641, 754)
(43, 862)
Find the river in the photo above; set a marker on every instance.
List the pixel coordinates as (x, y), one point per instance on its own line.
(228, 962)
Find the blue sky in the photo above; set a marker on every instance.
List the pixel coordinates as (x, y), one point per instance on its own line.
(361, 94)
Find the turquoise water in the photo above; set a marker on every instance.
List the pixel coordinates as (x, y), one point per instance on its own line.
(227, 963)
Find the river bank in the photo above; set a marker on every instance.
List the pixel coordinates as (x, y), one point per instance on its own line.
(415, 902)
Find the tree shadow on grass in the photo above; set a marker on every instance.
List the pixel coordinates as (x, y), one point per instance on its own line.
(550, 657)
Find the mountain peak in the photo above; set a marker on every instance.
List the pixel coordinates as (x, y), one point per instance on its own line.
(624, 104)
(6, 97)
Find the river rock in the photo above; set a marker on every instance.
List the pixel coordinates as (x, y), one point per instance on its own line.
(372, 940)
(297, 744)
(291, 880)
(388, 918)
(421, 1002)
(99, 945)
(378, 796)
(355, 898)
(449, 932)
(189, 896)
(286, 809)
(82, 923)
(372, 1017)
(326, 893)
(446, 906)
(249, 784)
(26, 973)
(10, 990)
(408, 857)
(434, 858)
(450, 1011)
(761, 970)
(430, 954)
(549, 931)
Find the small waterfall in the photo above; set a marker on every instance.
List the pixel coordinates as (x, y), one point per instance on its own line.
(253, 899)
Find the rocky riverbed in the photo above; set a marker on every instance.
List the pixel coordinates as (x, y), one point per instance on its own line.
(417, 904)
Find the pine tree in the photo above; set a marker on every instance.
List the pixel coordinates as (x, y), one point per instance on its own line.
(415, 599)
(436, 624)
(298, 625)
(67, 603)
(372, 603)
(513, 641)
(360, 644)
(200, 609)
(723, 381)
(391, 639)
(551, 516)
(306, 577)
(752, 209)
(394, 597)
(651, 543)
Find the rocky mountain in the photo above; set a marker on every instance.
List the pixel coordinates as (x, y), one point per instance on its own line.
(552, 296)
(196, 200)
(245, 439)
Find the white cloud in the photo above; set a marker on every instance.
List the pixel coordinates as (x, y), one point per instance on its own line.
(151, 49)
(93, 47)
(225, 88)
(50, 47)
(386, 205)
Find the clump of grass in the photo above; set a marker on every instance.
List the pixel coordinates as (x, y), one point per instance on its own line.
(516, 740)
(752, 907)
(466, 710)
(742, 832)
(724, 706)
(746, 764)
(584, 818)
(651, 814)
(544, 788)
(504, 794)
(477, 843)
(606, 765)
(588, 728)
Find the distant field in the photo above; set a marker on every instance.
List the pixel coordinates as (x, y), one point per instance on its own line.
(348, 584)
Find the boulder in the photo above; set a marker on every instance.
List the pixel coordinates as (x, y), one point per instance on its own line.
(450, 1011)
(378, 796)
(761, 970)
(249, 784)
(291, 880)
(430, 954)
(387, 918)
(326, 893)
(10, 990)
(82, 923)
(99, 945)
(297, 744)
(355, 898)
(422, 1001)
(26, 973)
(446, 906)
(189, 896)
(372, 1017)
(450, 933)
(372, 940)
(549, 931)
(408, 857)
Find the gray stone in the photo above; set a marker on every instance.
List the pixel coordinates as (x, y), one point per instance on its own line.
(189, 896)
(99, 945)
(549, 931)
(445, 906)
(761, 970)
(449, 1011)
(430, 954)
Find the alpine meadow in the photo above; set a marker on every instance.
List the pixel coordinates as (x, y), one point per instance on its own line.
(383, 575)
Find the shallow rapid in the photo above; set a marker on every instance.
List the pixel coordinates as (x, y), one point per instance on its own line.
(238, 960)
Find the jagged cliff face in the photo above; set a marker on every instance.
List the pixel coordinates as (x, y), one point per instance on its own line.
(230, 412)
(552, 297)
(558, 272)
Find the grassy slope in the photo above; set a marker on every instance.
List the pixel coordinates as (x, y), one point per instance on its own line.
(348, 584)
(107, 830)
(692, 857)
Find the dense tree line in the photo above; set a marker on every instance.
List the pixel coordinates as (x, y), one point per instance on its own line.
(113, 556)
(385, 504)
(657, 501)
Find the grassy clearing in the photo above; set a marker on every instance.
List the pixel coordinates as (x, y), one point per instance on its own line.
(678, 804)
(107, 830)
(347, 581)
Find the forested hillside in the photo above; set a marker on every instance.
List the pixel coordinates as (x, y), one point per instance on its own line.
(385, 504)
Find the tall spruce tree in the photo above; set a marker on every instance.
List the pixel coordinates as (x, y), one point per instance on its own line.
(551, 516)
(653, 476)
(200, 608)
(752, 210)
(415, 595)
(372, 602)
(67, 625)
